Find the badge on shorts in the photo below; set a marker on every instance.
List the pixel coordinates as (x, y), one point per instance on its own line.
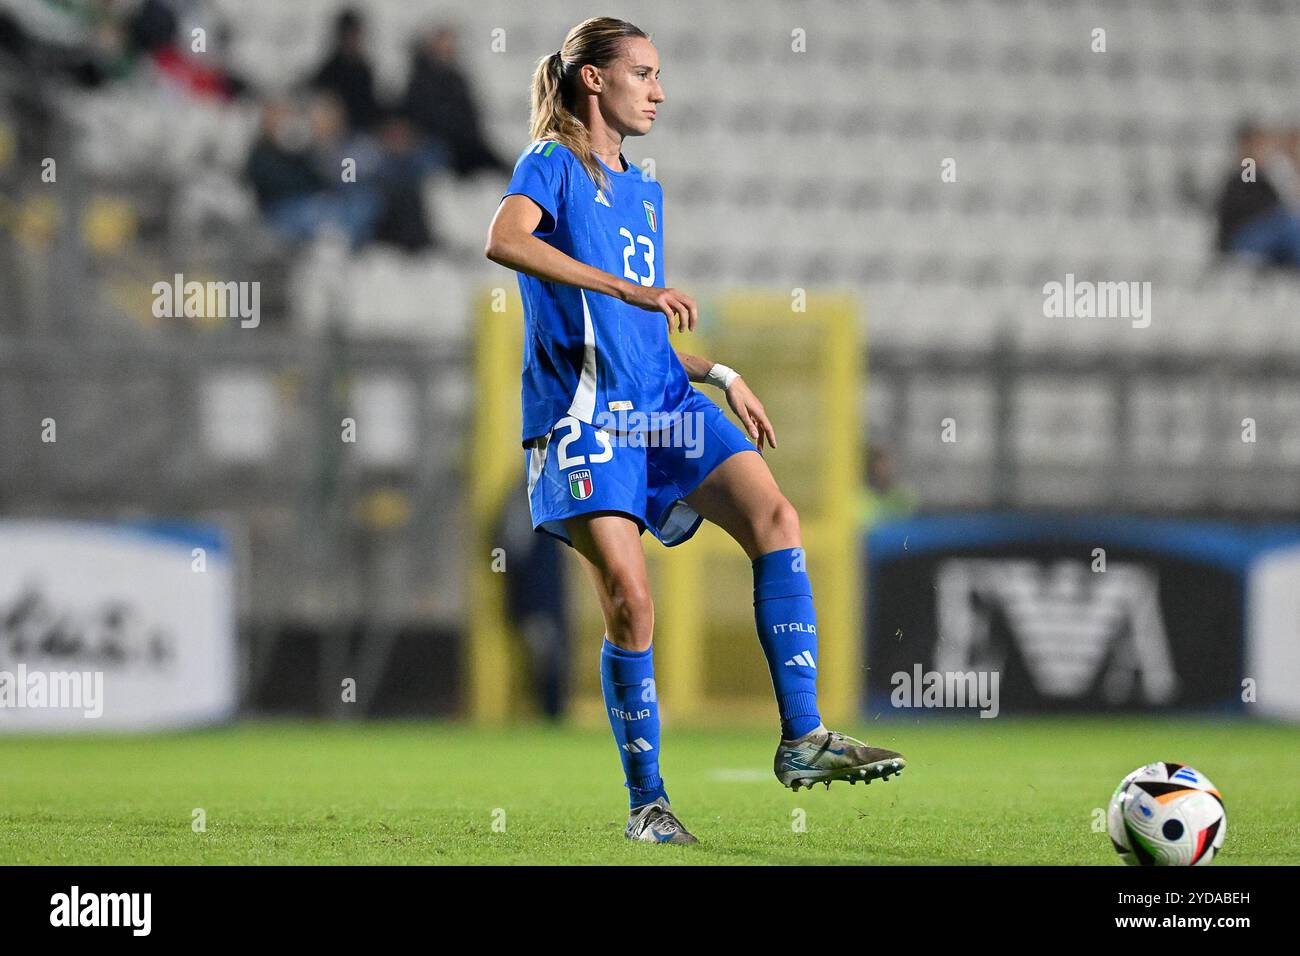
(580, 484)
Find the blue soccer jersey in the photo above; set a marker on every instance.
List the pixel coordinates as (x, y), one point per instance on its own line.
(587, 355)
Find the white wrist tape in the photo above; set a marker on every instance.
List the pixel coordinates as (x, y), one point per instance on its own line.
(722, 376)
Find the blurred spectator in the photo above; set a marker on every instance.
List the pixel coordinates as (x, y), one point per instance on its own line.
(13, 38)
(1282, 161)
(1254, 219)
(297, 191)
(403, 221)
(347, 73)
(152, 26)
(439, 102)
(389, 169)
(882, 497)
(204, 74)
(297, 169)
(333, 142)
(536, 601)
(89, 45)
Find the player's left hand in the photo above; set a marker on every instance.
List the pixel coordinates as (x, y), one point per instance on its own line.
(751, 414)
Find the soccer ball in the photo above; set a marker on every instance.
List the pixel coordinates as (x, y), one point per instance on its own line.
(1166, 814)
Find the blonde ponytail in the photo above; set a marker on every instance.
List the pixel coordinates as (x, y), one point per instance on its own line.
(597, 41)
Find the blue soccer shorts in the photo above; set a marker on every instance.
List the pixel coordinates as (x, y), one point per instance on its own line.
(642, 466)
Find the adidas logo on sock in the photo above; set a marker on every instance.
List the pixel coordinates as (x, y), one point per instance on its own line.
(802, 659)
(638, 746)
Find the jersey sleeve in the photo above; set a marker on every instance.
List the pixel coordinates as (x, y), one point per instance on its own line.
(540, 175)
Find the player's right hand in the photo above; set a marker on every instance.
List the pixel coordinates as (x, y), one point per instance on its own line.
(676, 306)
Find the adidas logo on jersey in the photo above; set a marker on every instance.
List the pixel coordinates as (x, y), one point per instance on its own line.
(600, 198)
(638, 746)
(802, 659)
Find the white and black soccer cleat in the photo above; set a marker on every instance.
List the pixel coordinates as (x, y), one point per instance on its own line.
(656, 823)
(824, 755)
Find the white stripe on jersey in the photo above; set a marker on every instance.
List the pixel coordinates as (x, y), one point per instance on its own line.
(536, 461)
(583, 406)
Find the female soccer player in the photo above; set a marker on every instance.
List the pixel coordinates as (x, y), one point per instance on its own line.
(616, 438)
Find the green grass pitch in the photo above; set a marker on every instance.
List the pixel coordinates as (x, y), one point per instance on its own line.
(1012, 791)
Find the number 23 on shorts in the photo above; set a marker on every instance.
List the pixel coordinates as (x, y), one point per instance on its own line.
(573, 431)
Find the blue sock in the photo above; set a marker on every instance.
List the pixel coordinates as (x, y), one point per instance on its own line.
(787, 629)
(627, 679)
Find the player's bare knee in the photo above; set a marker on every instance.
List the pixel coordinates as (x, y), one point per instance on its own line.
(778, 526)
(631, 622)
